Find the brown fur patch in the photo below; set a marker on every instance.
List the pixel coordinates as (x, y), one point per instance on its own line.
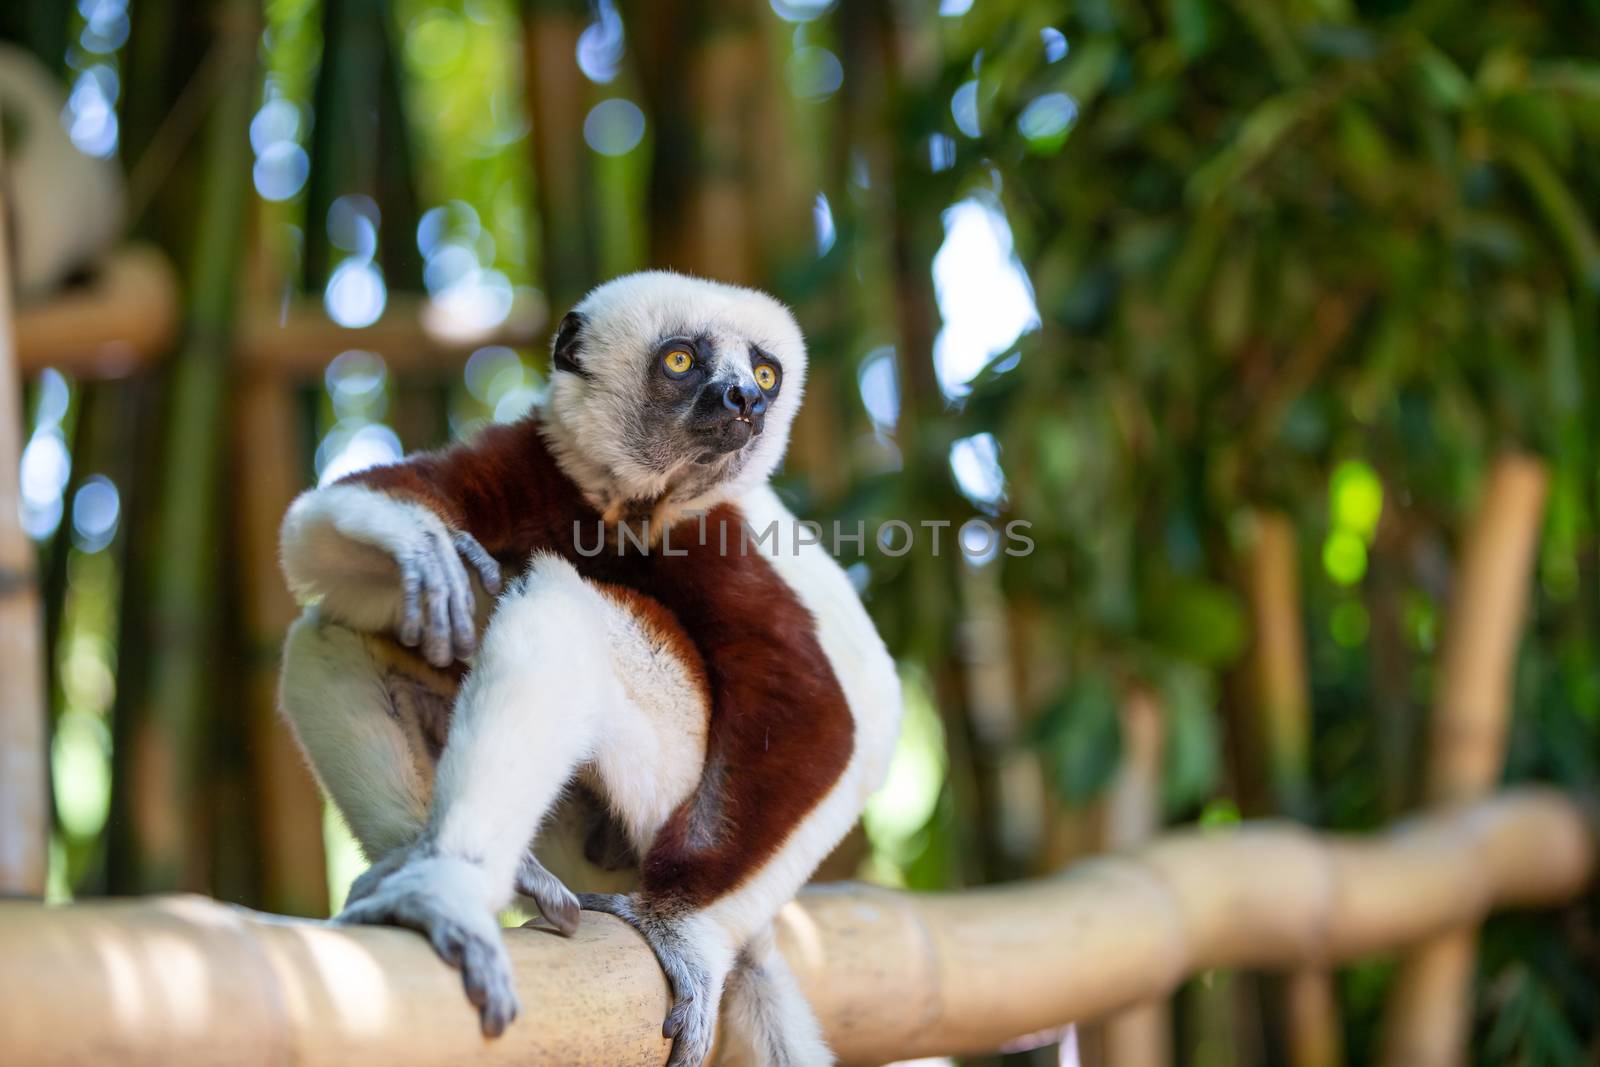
(780, 732)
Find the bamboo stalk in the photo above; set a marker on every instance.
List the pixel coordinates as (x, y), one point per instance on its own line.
(184, 981)
(1140, 1036)
(564, 185)
(289, 805)
(24, 803)
(168, 764)
(1429, 1014)
(1282, 703)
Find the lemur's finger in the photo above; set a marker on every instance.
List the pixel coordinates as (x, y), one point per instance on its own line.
(488, 571)
(410, 604)
(436, 587)
(463, 630)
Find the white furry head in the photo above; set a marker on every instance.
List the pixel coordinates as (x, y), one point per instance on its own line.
(671, 388)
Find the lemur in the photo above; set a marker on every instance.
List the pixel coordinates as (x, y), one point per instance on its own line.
(717, 684)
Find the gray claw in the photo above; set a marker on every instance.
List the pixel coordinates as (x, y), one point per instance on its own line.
(556, 902)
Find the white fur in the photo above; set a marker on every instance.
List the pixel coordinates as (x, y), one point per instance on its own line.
(547, 699)
(766, 1020)
(625, 320)
(339, 545)
(334, 698)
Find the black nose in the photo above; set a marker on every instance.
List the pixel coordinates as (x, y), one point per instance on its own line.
(744, 401)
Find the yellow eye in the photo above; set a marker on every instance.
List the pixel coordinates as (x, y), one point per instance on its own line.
(766, 377)
(678, 361)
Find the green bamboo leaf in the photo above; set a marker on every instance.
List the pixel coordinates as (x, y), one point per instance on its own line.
(1263, 130)
(1232, 292)
(1192, 756)
(1365, 153)
(1191, 26)
(1571, 77)
(1442, 80)
(1088, 68)
(1080, 738)
(1561, 209)
(1196, 620)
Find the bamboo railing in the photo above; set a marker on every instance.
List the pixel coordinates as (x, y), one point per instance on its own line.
(185, 981)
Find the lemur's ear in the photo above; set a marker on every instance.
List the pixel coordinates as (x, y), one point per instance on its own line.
(568, 343)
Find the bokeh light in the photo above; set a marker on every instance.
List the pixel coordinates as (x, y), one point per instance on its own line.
(614, 127)
(984, 295)
(975, 462)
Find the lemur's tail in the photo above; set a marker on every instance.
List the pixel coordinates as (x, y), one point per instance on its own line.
(766, 1021)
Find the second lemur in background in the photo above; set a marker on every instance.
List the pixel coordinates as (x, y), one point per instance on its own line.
(727, 700)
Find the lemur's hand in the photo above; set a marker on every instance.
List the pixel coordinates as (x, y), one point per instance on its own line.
(444, 899)
(436, 599)
(436, 609)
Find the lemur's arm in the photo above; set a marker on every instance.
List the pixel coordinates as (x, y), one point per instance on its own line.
(394, 548)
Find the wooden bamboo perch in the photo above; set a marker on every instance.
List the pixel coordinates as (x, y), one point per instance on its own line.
(121, 320)
(24, 805)
(1429, 1013)
(1282, 702)
(181, 981)
(414, 334)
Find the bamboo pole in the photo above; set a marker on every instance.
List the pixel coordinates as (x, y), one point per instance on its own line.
(564, 176)
(289, 805)
(182, 981)
(1281, 694)
(1140, 1036)
(169, 763)
(1429, 1014)
(24, 803)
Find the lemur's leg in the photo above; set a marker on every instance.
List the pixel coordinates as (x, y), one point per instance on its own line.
(546, 698)
(372, 729)
(337, 701)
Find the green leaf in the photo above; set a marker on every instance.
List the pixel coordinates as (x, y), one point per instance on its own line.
(1080, 739)
(1442, 80)
(1192, 754)
(1561, 209)
(1195, 619)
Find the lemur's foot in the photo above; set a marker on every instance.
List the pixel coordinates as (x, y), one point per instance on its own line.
(556, 902)
(441, 898)
(691, 1022)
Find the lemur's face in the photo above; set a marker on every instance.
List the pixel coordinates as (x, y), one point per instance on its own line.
(666, 384)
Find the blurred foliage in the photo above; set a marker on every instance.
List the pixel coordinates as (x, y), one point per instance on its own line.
(1327, 257)
(1124, 272)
